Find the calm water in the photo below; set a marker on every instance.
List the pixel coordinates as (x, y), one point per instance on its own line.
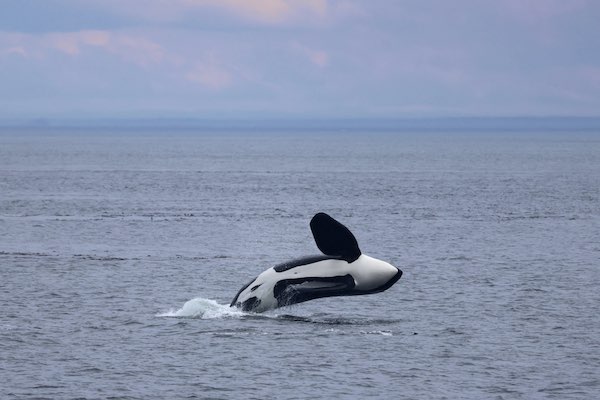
(119, 252)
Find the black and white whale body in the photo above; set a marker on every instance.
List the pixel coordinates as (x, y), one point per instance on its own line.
(342, 270)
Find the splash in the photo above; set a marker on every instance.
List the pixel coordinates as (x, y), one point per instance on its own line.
(204, 309)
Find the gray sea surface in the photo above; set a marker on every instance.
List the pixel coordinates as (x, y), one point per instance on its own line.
(120, 251)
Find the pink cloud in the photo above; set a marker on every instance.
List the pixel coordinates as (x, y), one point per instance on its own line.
(129, 47)
(136, 49)
(15, 50)
(210, 75)
(261, 11)
(14, 44)
(317, 57)
(95, 38)
(71, 43)
(67, 43)
(271, 11)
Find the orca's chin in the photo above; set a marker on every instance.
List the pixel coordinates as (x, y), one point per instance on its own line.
(388, 284)
(397, 277)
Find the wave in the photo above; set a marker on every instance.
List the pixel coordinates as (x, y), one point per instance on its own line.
(204, 309)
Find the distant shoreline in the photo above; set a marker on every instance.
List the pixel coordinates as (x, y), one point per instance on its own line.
(450, 124)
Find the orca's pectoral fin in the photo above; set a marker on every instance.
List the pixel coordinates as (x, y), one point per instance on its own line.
(333, 238)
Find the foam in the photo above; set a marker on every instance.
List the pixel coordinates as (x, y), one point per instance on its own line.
(204, 309)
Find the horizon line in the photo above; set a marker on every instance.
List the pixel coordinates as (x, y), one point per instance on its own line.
(312, 123)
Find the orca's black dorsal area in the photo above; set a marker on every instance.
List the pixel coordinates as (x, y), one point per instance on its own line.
(333, 238)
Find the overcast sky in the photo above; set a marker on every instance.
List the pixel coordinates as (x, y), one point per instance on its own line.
(300, 59)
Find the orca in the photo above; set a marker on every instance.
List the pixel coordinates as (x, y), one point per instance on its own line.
(342, 270)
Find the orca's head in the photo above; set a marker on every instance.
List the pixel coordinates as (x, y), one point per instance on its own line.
(372, 275)
(334, 239)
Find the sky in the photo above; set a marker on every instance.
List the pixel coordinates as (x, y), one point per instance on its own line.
(298, 58)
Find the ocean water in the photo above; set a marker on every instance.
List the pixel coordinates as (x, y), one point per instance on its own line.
(120, 251)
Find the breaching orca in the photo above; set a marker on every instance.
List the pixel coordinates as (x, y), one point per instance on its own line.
(342, 270)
